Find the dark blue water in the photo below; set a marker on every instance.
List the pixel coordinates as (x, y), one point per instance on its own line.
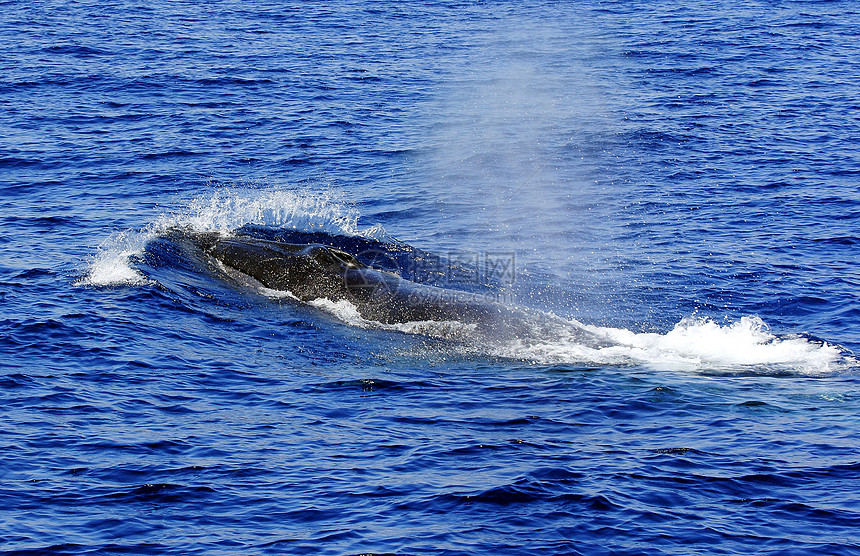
(678, 180)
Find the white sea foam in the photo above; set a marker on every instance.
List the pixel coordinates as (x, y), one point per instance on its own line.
(694, 344)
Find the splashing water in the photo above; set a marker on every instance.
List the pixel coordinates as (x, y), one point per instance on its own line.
(694, 344)
(226, 210)
(110, 265)
(223, 211)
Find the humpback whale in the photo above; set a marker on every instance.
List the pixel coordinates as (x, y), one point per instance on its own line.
(317, 271)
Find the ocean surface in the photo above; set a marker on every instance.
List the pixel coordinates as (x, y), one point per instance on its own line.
(681, 181)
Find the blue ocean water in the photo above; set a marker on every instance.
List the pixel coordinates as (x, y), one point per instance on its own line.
(679, 180)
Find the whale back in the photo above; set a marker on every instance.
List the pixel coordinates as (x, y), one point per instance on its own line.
(306, 271)
(314, 271)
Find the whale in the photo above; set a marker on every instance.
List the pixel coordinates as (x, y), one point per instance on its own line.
(313, 271)
(316, 271)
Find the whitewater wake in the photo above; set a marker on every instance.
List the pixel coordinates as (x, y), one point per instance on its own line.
(694, 344)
